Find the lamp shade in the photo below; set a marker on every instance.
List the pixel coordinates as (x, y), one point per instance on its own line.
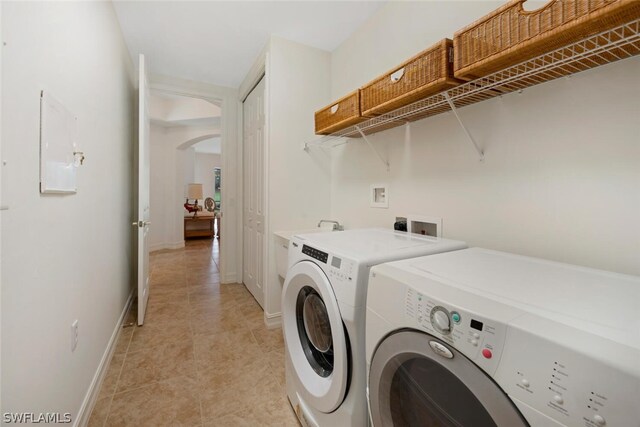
(194, 191)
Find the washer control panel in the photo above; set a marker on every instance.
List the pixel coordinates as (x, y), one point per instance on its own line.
(477, 337)
(315, 253)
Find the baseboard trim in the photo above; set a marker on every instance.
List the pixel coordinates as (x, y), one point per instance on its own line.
(94, 389)
(161, 246)
(230, 278)
(176, 245)
(273, 321)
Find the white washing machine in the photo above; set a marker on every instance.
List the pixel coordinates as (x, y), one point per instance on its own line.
(323, 315)
(482, 338)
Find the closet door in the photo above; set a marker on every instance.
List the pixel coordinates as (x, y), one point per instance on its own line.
(254, 192)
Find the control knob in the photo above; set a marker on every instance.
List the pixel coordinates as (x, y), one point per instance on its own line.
(440, 320)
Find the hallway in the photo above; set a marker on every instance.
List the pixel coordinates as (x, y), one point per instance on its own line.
(203, 356)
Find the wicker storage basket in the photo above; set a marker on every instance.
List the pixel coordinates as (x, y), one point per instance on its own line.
(511, 35)
(426, 73)
(341, 114)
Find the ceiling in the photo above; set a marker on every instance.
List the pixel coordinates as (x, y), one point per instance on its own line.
(218, 41)
(170, 110)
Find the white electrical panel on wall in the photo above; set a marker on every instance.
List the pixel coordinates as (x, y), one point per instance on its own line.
(379, 194)
(58, 147)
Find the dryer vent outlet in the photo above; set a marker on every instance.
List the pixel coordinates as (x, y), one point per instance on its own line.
(426, 226)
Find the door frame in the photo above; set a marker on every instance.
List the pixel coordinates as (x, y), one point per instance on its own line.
(227, 98)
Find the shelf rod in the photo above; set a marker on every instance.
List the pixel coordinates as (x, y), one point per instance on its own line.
(386, 163)
(319, 142)
(464, 128)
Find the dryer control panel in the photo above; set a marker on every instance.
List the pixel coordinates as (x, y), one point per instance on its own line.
(575, 378)
(478, 338)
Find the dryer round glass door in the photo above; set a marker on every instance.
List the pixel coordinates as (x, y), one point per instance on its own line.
(316, 342)
(415, 382)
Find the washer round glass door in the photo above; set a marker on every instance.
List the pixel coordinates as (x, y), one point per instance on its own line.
(315, 337)
(412, 385)
(314, 331)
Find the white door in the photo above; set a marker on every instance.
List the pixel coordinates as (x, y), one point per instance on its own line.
(254, 192)
(143, 192)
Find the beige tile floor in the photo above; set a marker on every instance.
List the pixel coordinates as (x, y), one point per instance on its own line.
(202, 358)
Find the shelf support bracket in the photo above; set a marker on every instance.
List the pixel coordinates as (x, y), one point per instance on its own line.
(464, 128)
(386, 163)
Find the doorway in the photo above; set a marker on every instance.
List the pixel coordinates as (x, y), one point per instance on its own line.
(186, 146)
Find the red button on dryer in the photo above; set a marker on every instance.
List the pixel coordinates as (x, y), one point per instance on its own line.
(486, 353)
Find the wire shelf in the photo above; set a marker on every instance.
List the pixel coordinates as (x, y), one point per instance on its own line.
(609, 46)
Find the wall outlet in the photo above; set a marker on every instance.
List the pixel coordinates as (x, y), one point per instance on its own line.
(74, 335)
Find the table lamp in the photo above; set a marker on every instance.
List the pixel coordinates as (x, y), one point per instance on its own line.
(194, 191)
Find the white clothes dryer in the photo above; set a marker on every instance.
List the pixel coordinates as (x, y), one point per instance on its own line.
(323, 315)
(483, 338)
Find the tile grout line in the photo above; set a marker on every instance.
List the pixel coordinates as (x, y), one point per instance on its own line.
(193, 350)
(115, 387)
(232, 298)
(195, 362)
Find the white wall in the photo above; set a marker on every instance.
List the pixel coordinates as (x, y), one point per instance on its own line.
(161, 189)
(64, 257)
(189, 168)
(298, 182)
(561, 178)
(203, 173)
(1, 203)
